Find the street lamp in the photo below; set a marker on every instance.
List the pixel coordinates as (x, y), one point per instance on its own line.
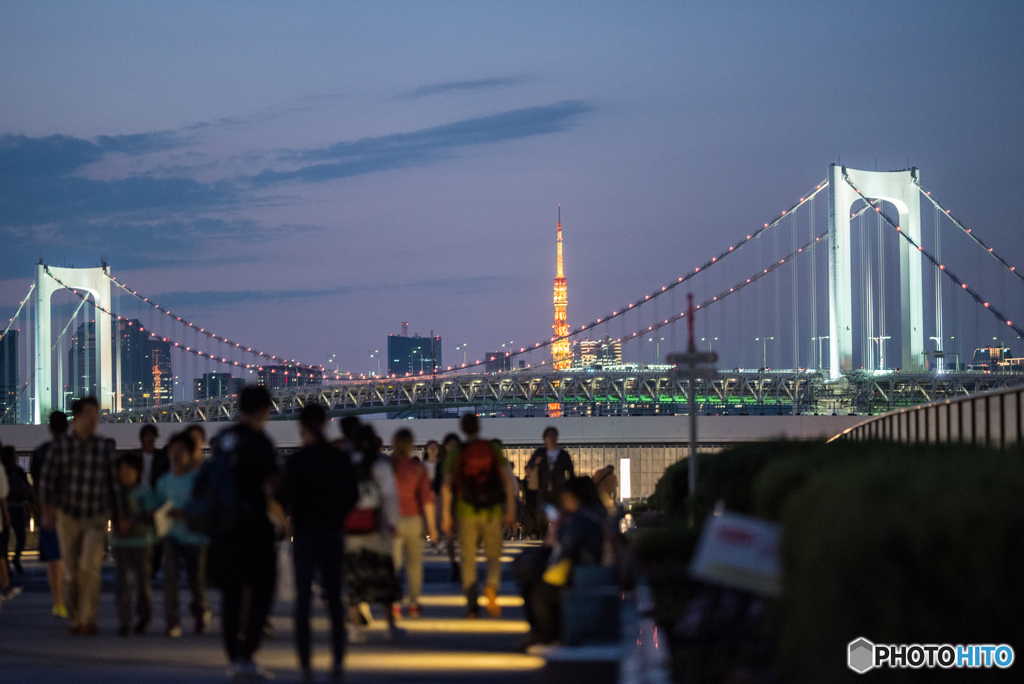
(463, 348)
(764, 349)
(370, 370)
(939, 356)
(821, 355)
(509, 355)
(881, 350)
(703, 339)
(65, 400)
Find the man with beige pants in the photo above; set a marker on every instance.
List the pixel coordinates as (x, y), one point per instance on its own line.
(416, 502)
(79, 495)
(479, 479)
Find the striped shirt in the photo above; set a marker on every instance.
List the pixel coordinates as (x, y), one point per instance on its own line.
(80, 477)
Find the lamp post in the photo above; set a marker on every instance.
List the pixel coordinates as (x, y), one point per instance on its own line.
(821, 355)
(708, 340)
(65, 400)
(657, 347)
(463, 348)
(764, 349)
(939, 356)
(370, 370)
(509, 355)
(881, 349)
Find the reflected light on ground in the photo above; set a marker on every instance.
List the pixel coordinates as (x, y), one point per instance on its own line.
(456, 601)
(447, 625)
(425, 661)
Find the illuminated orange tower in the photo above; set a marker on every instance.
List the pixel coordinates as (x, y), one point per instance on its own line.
(560, 349)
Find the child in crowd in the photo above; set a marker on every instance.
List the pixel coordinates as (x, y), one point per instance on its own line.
(132, 543)
(182, 546)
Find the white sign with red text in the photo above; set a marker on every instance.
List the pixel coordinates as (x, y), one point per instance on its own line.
(739, 552)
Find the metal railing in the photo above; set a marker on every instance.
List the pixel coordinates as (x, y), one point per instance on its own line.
(992, 419)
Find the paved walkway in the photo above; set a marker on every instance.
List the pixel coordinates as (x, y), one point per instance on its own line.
(442, 646)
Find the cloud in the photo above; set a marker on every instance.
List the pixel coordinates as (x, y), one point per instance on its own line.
(219, 298)
(139, 143)
(479, 84)
(426, 146)
(37, 185)
(59, 155)
(138, 244)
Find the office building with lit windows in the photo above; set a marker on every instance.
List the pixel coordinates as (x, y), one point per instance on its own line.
(413, 355)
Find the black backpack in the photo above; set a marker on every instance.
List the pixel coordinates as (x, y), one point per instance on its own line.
(213, 508)
(478, 476)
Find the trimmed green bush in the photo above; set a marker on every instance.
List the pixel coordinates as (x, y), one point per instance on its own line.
(901, 545)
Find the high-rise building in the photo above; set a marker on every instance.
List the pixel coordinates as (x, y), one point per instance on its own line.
(9, 385)
(143, 369)
(560, 354)
(216, 385)
(163, 374)
(413, 354)
(280, 377)
(590, 353)
(134, 368)
(81, 369)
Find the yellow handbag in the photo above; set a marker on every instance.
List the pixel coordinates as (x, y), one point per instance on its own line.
(557, 575)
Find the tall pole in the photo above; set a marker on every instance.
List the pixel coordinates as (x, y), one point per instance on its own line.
(691, 348)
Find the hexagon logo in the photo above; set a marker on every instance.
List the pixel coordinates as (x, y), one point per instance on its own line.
(860, 655)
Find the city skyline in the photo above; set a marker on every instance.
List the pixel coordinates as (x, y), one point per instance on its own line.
(357, 176)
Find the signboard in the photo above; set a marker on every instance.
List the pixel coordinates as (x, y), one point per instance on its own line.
(739, 552)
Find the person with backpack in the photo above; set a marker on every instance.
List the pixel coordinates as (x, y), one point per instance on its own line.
(479, 481)
(319, 491)
(233, 503)
(20, 494)
(49, 545)
(370, 531)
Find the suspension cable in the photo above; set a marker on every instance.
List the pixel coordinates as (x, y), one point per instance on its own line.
(657, 293)
(967, 231)
(21, 305)
(977, 298)
(207, 333)
(177, 345)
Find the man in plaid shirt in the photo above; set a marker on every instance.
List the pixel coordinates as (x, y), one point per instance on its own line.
(79, 495)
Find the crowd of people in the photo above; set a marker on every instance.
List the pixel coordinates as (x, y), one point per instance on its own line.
(356, 516)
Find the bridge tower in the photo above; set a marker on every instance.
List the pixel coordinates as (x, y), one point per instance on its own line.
(560, 350)
(901, 189)
(95, 281)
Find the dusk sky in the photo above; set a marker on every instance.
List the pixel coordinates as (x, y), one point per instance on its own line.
(303, 177)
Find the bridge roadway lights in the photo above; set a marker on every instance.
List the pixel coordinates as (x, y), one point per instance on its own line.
(901, 189)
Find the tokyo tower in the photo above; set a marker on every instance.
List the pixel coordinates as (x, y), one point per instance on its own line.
(560, 349)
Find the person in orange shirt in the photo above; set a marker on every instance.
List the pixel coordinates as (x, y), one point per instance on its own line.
(416, 503)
